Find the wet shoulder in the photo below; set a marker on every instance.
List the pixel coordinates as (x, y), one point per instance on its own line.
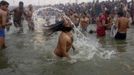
(3, 13)
(123, 19)
(126, 20)
(64, 36)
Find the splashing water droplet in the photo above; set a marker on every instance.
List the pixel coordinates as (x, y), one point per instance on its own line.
(87, 47)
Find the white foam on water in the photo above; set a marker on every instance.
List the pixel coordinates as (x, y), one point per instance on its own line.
(85, 50)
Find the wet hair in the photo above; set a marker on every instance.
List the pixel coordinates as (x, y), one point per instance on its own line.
(66, 29)
(21, 2)
(120, 14)
(59, 26)
(4, 3)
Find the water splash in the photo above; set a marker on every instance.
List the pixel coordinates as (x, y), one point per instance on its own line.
(41, 16)
(86, 47)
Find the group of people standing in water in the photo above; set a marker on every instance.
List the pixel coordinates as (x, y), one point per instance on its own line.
(104, 22)
(18, 15)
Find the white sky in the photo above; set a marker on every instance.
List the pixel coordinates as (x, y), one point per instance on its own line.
(44, 2)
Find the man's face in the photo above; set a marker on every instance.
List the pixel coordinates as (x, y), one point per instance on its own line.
(5, 7)
(30, 7)
(21, 5)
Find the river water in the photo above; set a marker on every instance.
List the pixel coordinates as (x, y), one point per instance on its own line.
(31, 53)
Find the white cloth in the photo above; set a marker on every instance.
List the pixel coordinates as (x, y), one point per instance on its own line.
(113, 30)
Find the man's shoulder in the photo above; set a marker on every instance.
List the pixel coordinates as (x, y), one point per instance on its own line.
(126, 19)
(2, 12)
(64, 36)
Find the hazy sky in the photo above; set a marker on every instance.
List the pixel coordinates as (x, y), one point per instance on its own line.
(43, 2)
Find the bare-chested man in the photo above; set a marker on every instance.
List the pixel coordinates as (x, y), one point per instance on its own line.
(18, 16)
(75, 18)
(3, 22)
(122, 25)
(84, 22)
(65, 41)
(29, 17)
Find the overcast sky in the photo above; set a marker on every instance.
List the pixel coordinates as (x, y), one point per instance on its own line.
(44, 2)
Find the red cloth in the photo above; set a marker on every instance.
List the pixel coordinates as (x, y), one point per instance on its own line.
(101, 18)
(101, 30)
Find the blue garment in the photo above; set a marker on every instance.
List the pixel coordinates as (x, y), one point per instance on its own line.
(2, 32)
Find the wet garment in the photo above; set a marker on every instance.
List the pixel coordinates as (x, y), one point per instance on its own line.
(2, 32)
(17, 23)
(120, 36)
(113, 31)
(101, 31)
